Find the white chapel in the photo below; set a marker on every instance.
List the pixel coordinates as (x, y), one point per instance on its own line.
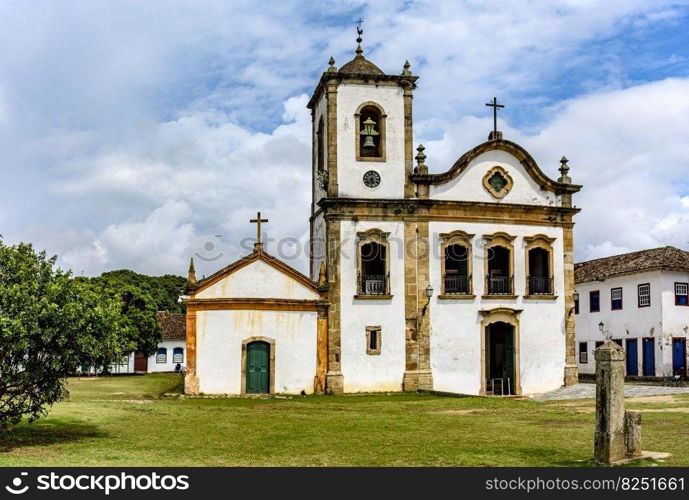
(460, 281)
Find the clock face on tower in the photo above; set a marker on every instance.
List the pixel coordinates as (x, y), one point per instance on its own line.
(371, 178)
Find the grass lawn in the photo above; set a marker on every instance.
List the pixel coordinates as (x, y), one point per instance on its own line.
(126, 421)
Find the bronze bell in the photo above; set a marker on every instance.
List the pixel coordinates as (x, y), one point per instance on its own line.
(369, 132)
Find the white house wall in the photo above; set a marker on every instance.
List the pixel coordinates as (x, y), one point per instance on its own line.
(468, 186)
(455, 324)
(169, 366)
(258, 280)
(675, 318)
(219, 338)
(662, 320)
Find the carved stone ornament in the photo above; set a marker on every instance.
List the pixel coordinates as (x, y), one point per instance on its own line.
(498, 182)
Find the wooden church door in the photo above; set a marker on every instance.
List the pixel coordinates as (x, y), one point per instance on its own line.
(258, 367)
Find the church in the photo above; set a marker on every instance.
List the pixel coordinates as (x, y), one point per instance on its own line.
(458, 282)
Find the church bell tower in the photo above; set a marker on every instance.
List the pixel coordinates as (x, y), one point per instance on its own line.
(362, 131)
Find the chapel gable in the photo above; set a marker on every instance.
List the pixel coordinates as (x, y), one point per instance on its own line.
(258, 275)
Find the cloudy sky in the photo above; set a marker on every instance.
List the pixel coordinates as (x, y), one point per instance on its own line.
(137, 134)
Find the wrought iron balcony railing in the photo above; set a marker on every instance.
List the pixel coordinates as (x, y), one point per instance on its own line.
(540, 285)
(500, 285)
(457, 284)
(371, 284)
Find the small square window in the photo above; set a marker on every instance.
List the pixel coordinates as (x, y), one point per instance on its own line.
(616, 299)
(644, 295)
(161, 356)
(681, 294)
(594, 301)
(598, 344)
(583, 352)
(373, 340)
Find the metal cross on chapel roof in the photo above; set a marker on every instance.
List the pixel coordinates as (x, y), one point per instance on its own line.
(259, 244)
(494, 104)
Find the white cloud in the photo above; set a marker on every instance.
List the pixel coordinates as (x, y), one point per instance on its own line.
(147, 133)
(155, 245)
(602, 249)
(627, 149)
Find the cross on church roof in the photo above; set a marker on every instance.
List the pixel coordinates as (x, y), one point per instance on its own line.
(258, 245)
(494, 104)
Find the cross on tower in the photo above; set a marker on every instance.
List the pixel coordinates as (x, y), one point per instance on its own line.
(494, 104)
(258, 245)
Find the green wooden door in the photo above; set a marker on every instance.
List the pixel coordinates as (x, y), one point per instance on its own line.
(257, 367)
(509, 358)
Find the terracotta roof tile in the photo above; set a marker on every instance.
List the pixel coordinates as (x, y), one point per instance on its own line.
(174, 325)
(666, 258)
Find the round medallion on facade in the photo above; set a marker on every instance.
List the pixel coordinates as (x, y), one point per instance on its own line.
(372, 178)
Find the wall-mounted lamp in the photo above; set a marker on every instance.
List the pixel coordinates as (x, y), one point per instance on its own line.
(572, 310)
(429, 293)
(600, 326)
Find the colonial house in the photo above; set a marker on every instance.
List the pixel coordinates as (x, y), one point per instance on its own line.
(459, 281)
(169, 356)
(639, 300)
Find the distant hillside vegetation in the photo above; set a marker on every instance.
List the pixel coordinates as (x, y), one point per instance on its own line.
(164, 290)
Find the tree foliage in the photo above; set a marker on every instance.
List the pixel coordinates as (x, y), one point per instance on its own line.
(50, 324)
(140, 298)
(164, 290)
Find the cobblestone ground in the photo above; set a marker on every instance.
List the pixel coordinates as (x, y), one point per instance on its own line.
(588, 390)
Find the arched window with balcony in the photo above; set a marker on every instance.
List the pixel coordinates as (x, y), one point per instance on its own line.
(499, 264)
(456, 263)
(370, 132)
(539, 266)
(373, 263)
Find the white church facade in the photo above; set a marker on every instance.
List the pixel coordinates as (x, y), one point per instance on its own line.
(461, 281)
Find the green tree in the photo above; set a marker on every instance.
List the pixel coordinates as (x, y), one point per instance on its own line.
(164, 290)
(50, 324)
(141, 297)
(138, 311)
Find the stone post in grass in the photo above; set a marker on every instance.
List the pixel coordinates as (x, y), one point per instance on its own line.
(618, 434)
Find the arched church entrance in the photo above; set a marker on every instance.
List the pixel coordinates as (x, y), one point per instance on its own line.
(258, 365)
(500, 359)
